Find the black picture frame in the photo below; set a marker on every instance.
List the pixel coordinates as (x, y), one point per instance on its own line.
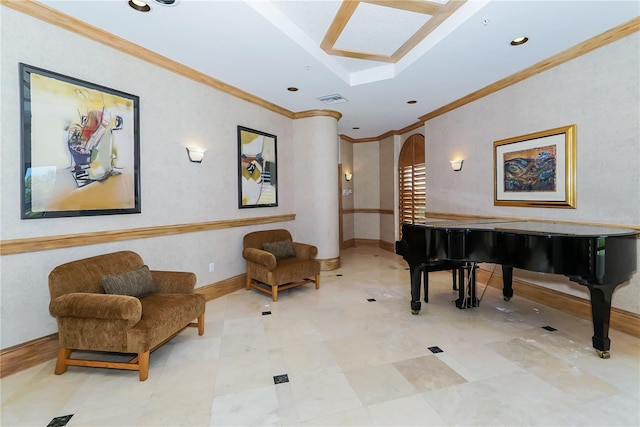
(257, 169)
(80, 153)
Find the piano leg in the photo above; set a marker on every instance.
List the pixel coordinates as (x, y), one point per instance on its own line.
(507, 282)
(600, 313)
(416, 279)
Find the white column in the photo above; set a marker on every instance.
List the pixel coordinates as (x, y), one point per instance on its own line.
(316, 184)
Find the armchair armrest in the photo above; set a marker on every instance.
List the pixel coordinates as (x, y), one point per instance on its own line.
(97, 306)
(305, 251)
(260, 257)
(174, 282)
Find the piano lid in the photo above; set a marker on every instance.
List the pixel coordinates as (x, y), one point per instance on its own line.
(532, 227)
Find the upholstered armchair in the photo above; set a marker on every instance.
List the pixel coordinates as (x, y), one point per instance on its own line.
(114, 303)
(275, 262)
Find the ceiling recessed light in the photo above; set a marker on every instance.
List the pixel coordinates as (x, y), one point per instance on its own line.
(139, 5)
(413, 101)
(519, 40)
(292, 89)
(167, 2)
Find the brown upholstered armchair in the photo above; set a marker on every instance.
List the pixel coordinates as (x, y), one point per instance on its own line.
(275, 262)
(90, 319)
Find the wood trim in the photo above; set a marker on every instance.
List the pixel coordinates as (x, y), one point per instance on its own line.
(317, 113)
(425, 7)
(614, 34)
(26, 355)
(338, 24)
(44, 243)
(330, 264)
(59, 19)
(350, 243)
(456, 216)
(366, 242)
(385, 135)
(580, 49)
(370, 210)
(31, 353)
(222, 288)
(443, 13)
(387, 246)
(348, 211)
(621, 320)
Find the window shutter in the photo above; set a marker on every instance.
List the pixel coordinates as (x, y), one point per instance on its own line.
(412, 179)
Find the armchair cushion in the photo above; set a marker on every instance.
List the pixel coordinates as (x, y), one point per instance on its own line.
(136, 283)
(281, 250)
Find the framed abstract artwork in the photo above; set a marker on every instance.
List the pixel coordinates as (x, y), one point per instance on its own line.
(536, 170)
(80, 147)
(257, 169)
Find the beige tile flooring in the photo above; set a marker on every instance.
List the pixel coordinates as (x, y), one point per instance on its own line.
(350, 361)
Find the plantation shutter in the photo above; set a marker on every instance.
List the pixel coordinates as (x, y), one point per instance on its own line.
(412, 179)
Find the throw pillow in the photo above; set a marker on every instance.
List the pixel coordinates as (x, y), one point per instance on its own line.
(280, 250)
(136, 283)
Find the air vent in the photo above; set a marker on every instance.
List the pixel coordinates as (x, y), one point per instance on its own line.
(333, 99)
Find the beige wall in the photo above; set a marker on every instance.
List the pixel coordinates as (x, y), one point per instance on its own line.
(346, 159)
(366, 189)
(388, 185)
(174, 112)
(599, 93)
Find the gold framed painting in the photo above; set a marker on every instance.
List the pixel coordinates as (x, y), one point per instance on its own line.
(537, 169)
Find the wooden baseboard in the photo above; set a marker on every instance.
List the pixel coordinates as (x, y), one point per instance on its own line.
(387, 246)
(366, 242)
(329, 264)
(348, 244)
(222, 288)
(621, 320)
(23, 356)
(26, 355)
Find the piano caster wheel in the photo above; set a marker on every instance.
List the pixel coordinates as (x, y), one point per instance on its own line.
(507, 298)
(603, 354)
(415, 312)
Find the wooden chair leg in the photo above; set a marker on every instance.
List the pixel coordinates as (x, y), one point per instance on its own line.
(61, 362)
(274, 293)
(317, 281)
(247, 283)
(201, 324)
(143, 365)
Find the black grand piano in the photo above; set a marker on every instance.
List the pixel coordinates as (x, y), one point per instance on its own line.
(600, 258)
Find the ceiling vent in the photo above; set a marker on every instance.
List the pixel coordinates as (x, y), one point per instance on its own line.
(333, 99)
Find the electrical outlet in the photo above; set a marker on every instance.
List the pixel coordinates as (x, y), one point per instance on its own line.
(211, 267)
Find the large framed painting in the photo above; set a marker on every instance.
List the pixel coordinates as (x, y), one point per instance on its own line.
(536, 170)
(257, 169)
(80, 147)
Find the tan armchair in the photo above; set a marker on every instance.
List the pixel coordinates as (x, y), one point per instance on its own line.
(90, 319)
(289, 264)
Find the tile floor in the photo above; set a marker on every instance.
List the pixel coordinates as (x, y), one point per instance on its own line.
(352, 354)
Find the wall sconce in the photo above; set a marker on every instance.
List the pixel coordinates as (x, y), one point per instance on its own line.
(195, 154)
(348, 176)
(456, 165)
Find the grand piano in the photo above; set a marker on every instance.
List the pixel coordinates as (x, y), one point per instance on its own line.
(600, 258)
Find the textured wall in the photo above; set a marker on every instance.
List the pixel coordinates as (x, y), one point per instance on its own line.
(366, 189)
(599, 93)
(174, 112)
